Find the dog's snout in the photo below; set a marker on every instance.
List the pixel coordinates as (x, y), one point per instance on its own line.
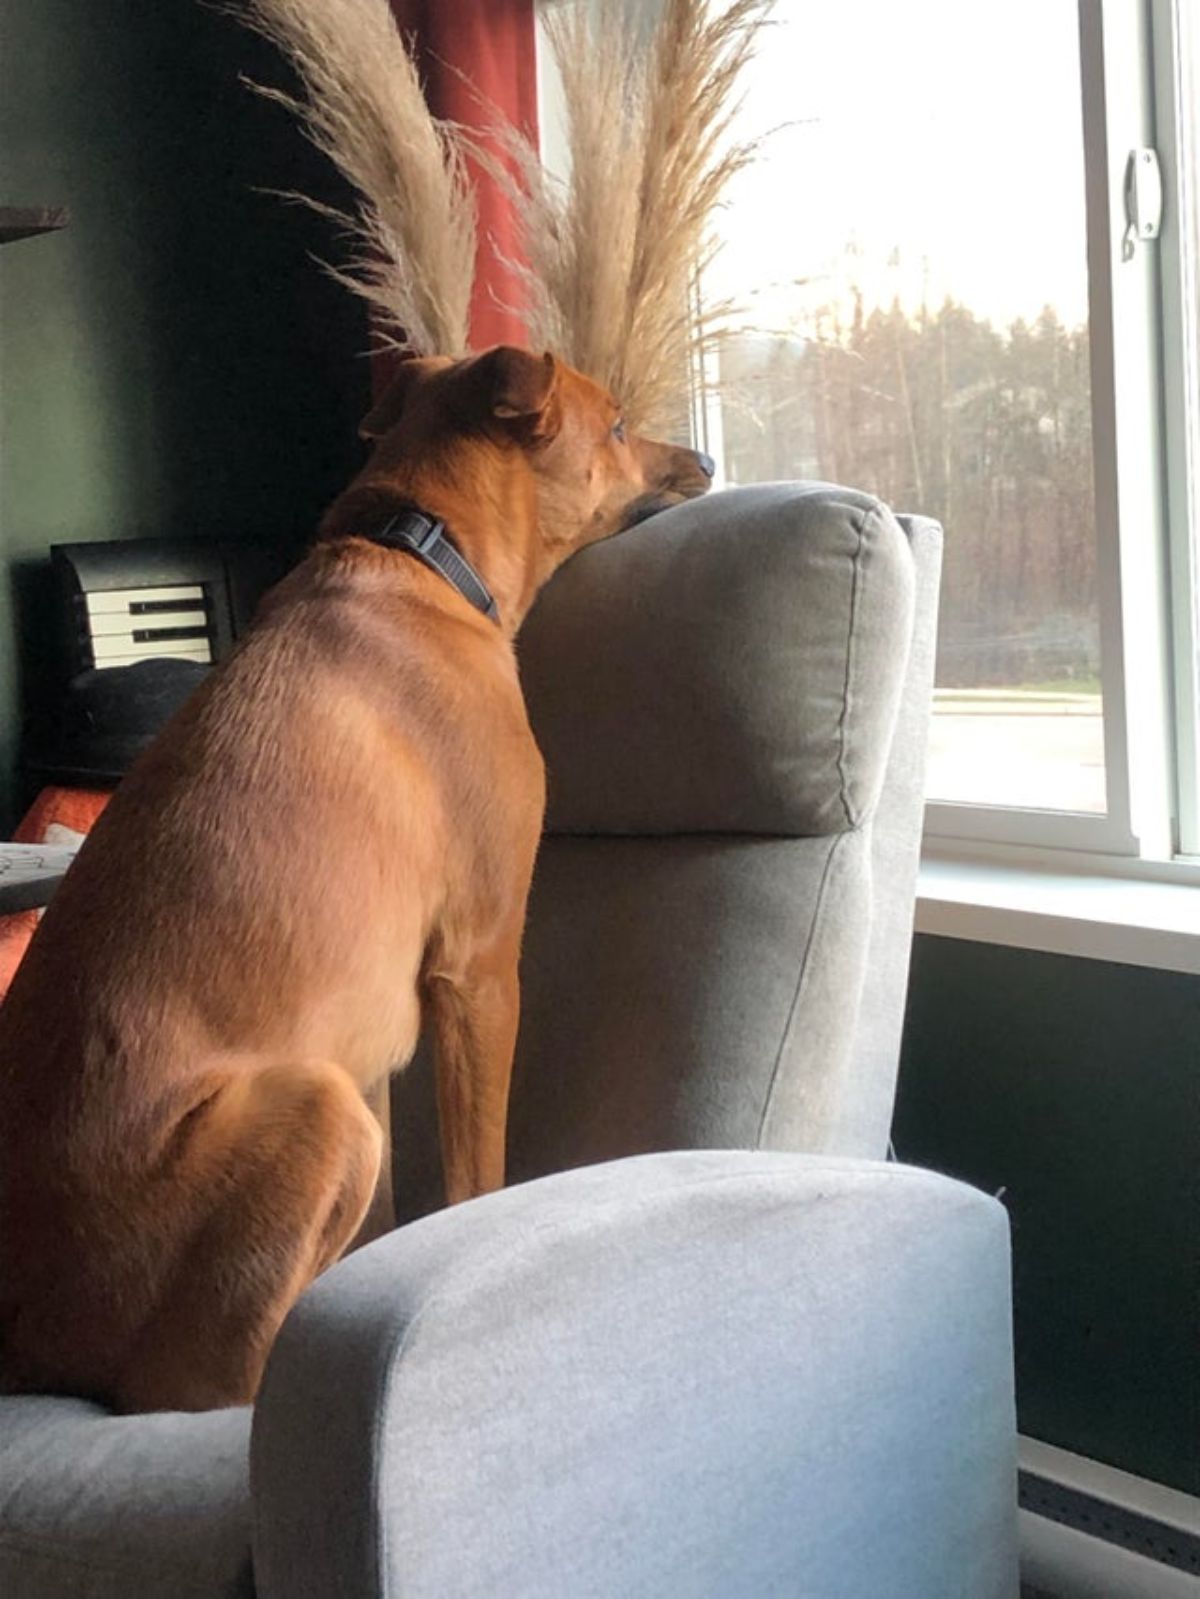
(707, 465)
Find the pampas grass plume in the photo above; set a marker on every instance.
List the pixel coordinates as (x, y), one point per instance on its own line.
(362, 106)
(613, 257)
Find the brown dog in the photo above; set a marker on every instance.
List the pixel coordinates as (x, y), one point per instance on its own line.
(332, 841)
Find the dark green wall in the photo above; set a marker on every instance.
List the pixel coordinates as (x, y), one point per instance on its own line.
(1075, 1086)
(173, 362)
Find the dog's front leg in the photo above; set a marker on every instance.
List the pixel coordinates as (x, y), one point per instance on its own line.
(381, 1213)
(474, 1016)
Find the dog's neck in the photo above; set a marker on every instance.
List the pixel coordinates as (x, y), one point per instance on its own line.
(419, 534)
(512, 569)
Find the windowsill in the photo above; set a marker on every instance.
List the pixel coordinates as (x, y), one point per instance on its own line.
(1097, 914)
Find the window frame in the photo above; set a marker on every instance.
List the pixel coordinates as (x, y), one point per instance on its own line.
(1125, 340)
(1179, 152)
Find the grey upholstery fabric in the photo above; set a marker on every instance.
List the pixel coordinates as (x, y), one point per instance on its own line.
(731, 666)
(94, 1506)
(701, 1374)
(862, 1117)
(720, 1022)
(707, 1046)
(733, 703)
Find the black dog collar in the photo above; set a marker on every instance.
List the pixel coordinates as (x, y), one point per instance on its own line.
(425, 537)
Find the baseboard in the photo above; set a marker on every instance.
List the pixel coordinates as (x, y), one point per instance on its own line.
(1089, 1531)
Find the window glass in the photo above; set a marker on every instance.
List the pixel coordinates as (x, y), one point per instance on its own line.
(908, 255)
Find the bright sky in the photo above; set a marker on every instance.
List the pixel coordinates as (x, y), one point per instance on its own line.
(941, 137)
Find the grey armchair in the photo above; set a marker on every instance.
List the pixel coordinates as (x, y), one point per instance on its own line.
(733, 1371)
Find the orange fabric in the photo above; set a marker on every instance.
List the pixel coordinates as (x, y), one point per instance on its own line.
(76, 808)
(492, 44)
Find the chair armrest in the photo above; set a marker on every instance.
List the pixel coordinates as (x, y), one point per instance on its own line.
(684, 1374)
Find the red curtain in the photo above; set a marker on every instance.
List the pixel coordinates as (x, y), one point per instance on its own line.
(491, 42)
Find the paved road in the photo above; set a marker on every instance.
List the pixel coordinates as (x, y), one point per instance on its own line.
(1040, 750)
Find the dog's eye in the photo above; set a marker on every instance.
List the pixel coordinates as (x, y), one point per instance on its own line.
(618, 431)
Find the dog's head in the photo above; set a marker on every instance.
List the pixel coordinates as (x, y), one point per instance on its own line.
(522, 441)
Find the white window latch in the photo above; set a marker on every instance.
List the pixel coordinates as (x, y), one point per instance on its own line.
(1143, 199)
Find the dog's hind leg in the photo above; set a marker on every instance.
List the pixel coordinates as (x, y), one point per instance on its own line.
(277, 1166)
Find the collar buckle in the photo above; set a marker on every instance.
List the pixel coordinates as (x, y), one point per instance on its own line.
(425, 537)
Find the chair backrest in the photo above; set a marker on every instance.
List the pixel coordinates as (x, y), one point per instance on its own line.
(733, 703)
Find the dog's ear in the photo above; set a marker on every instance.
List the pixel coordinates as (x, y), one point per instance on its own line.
(385, 413)
(521, 388)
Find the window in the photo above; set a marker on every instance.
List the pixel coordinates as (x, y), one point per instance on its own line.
(942, 302)
(915, 324)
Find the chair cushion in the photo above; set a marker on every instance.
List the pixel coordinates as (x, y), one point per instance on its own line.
(713, 994)
(95, 1506)
(713, 701)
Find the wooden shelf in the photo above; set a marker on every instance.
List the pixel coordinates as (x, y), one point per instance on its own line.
(24, 221)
